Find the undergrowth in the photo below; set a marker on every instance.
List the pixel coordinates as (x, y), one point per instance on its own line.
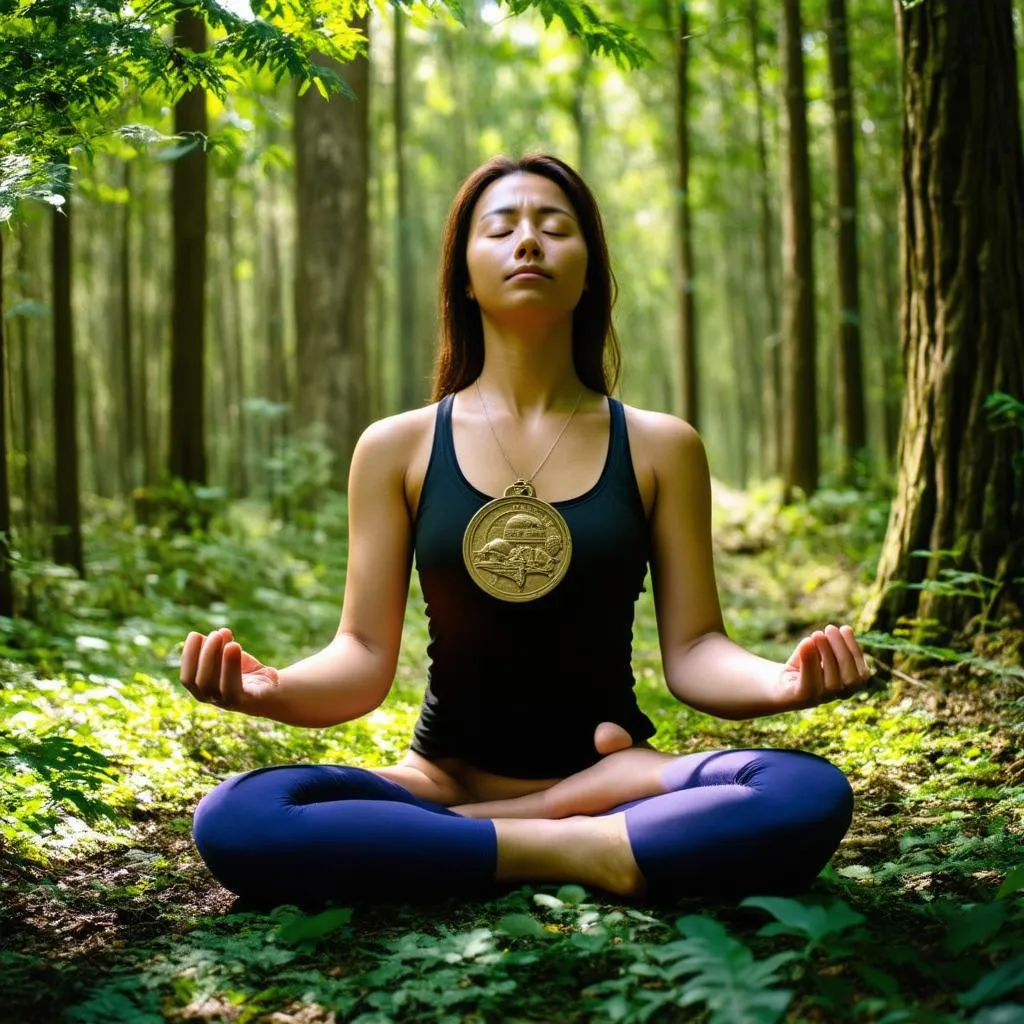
(110, 917)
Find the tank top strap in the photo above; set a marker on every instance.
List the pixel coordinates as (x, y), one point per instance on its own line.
(618, 445)
(443, 447)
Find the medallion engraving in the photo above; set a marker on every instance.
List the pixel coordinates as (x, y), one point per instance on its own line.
(517, 548)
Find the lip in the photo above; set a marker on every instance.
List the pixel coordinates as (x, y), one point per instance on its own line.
(529, 272)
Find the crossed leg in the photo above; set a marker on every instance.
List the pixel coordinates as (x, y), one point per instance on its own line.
(761, 821)
(550, 834)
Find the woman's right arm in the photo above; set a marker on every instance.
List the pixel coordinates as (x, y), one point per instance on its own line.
(353, 674)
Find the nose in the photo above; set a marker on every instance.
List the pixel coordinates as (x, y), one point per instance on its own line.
(528, 244)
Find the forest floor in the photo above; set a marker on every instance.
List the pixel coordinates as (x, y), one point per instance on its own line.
(109, 916)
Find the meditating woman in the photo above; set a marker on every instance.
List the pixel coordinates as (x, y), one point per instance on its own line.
(532, 504)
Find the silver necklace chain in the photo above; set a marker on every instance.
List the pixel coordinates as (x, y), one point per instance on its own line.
(501, 448)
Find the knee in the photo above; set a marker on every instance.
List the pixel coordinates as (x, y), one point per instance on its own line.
(825, 792)
(222, 823)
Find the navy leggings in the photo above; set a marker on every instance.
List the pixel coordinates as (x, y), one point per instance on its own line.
(731, 823)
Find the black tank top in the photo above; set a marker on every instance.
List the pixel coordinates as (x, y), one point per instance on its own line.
(517, 688)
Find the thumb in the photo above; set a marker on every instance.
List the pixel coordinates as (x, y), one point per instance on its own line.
(806, 660)
(251, 664)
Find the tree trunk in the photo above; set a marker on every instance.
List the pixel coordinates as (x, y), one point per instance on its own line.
(581, 88)
(331, 154)
(688, 389)
(849, 378)
(800, 439)
(962, 321)
(410, 385)
(67, 534)
(6, 587)
(187, 448)
(25, 387)
(129, 447)
(771, 362)
(238, 443)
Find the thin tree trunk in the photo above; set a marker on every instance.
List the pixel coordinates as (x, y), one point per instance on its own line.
(688, 386)
(238, 444)
(6, 585)
(798, 328)
(962, 234)
(25, 386)
(771, 360)
(850, 378)
(67, 535)
(410, 385)
(331, 159)
(187, 449)
(147, 265)
(580, 117)
(276, 376)
(129, 448)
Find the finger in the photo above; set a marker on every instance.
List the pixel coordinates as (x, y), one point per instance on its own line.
(189, 661)
(811, 679)
(231, 675)
(859, 657)
(849, 674)
(833, 684)
(208, 672)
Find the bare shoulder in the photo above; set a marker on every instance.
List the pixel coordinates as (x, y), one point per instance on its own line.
(661, 439)
(398, 436)
(395, 450)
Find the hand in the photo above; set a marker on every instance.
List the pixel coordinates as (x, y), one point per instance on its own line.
(827, 665)
(215, 670)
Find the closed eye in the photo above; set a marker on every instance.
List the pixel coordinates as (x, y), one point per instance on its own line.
(550, 234)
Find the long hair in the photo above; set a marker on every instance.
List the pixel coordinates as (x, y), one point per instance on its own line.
(460, 345)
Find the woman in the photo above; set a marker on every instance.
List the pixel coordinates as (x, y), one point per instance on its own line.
(530, 760)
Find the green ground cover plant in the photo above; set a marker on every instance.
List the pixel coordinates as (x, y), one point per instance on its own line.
(108, 915)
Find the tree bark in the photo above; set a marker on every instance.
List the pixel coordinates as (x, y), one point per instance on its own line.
(25, 380)
(6, 587)
(850, 377)
(410, 385)
(771, 360)
(800, 439)
(331, 161)
(962, 322)
(129, 445)
(67, 534)
(187, 448)
(689, 391)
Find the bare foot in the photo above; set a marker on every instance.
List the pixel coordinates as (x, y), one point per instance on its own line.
(593, 852)
(610, 737)
(608, 856)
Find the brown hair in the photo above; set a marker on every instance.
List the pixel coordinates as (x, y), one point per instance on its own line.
(460, 347)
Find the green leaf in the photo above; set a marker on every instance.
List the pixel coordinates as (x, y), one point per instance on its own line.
(1013, 882)
(572, 894)
(521, 925)
(811, 921)
(311, 929)
(969, 926)
(1003, 980)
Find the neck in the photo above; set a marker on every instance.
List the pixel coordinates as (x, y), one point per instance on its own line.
(529, 372)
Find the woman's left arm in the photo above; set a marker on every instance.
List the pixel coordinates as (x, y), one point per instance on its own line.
(703, 667)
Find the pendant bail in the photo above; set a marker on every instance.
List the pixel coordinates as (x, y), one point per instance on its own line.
(519, 488)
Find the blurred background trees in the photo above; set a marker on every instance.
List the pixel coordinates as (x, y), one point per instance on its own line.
(814, 216)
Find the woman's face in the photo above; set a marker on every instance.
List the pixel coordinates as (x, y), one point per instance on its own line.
(525, 221)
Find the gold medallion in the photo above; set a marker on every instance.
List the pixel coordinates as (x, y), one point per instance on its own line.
(517, 547)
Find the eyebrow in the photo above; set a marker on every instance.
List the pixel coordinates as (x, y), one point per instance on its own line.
(506, 211)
